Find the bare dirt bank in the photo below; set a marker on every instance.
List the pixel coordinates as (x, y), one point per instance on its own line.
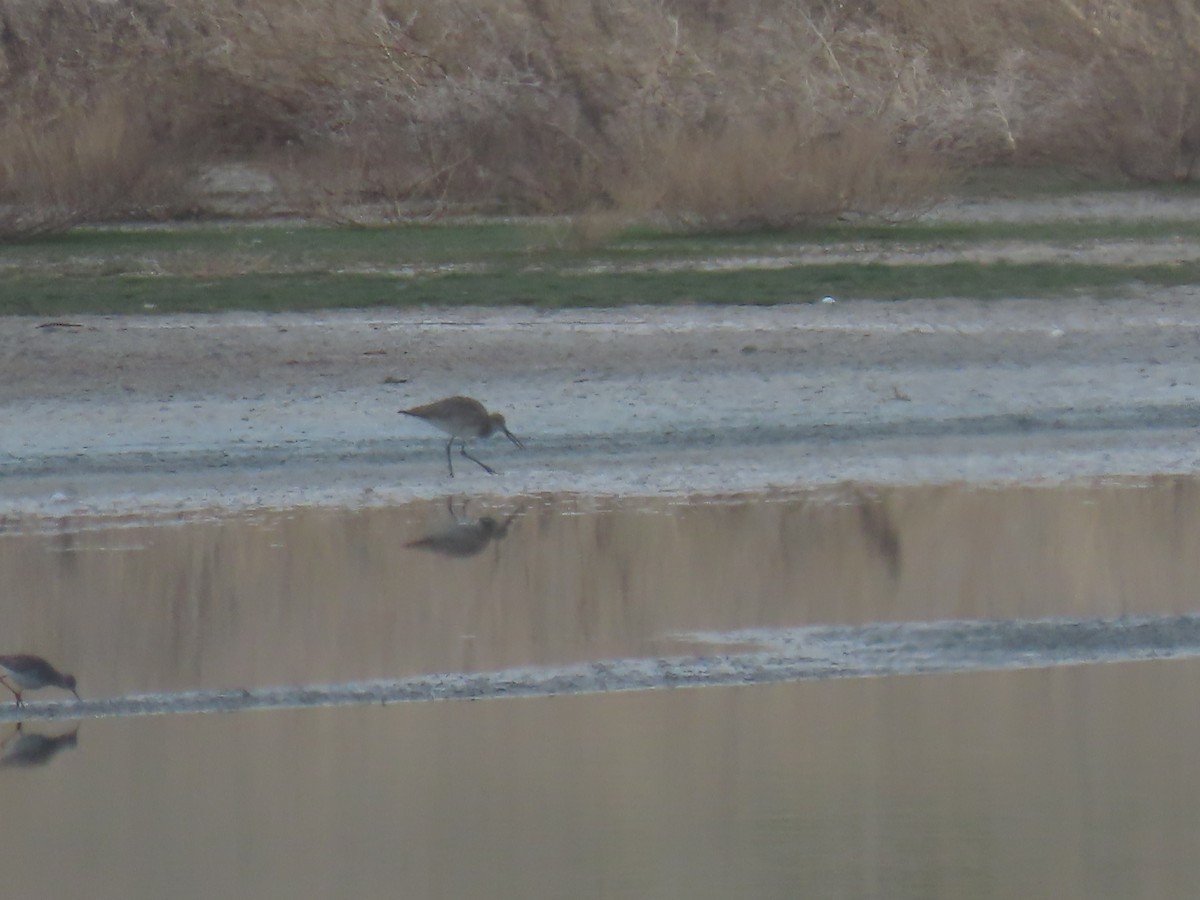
(186, 413)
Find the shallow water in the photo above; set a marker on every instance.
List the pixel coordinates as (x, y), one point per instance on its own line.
(1073, 782)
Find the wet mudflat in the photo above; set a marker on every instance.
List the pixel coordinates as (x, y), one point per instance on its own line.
(985, 783)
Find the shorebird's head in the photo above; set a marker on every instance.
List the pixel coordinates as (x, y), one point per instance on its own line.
(68, 682)
(497, 421)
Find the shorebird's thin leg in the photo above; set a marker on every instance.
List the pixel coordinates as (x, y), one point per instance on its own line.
(458, 517)
(15, 692)
(449, 444)
(479, 462)
(502, 531)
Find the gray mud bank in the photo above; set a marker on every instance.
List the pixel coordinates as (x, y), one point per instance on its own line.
(176, 413)
(787, 655)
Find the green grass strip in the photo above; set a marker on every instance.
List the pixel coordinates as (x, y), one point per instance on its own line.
(115, 294)
(220, 252)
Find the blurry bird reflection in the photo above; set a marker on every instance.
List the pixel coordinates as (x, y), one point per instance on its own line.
(28, 749)
(464, 537)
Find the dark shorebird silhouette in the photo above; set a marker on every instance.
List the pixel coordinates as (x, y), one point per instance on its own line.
(463, 418)
(29, 673)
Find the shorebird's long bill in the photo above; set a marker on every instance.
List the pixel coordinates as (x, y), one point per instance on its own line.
(76, 693)
(513, 438)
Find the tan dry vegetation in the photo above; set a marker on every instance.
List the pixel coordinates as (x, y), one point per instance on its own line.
(765, 112)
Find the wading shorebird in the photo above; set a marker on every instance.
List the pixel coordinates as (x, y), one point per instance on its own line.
(463, 418)
(30, 673)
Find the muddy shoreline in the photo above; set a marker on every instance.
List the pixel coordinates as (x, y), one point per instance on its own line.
(170, 414)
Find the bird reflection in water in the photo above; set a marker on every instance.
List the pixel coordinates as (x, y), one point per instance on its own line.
(28, 749)
(464, 537)
(881, 534)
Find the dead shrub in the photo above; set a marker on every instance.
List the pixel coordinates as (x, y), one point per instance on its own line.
(88, 163)
(751, 175)
(765, 111)
(1144, 116)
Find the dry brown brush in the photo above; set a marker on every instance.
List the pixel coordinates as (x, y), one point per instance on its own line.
(757, 113)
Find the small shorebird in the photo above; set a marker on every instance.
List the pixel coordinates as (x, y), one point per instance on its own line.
(462, 418)
(31, 672)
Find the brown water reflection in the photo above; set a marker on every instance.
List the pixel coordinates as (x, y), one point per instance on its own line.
(1068, 783)
(321, 595)
(1074, 783)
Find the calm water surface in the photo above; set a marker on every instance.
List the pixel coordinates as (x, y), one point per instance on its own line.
(1068, 782)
